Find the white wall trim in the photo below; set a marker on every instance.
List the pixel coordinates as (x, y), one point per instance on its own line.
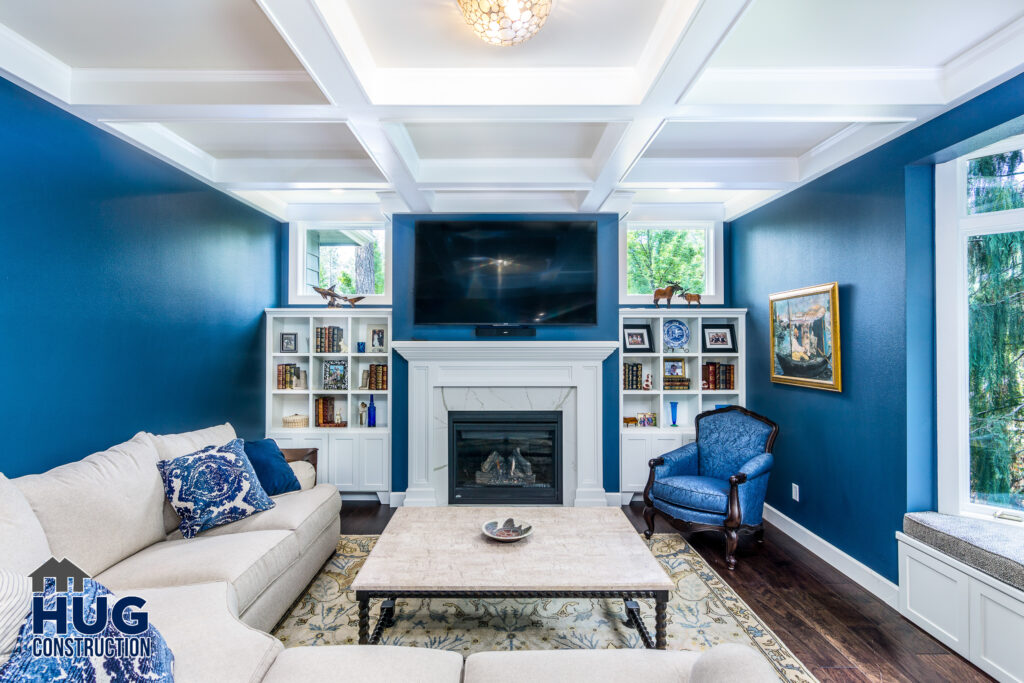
(397, 499)
(866, 577)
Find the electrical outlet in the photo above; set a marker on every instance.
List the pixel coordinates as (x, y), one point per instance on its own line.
(796, 493)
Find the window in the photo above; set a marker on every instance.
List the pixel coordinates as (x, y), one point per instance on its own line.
(653, 255)
(352, 258)
(979, 289)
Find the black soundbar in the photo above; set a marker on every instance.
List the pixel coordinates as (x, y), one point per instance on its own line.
(505, 331)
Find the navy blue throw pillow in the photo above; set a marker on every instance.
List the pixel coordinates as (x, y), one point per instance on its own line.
(272, 469)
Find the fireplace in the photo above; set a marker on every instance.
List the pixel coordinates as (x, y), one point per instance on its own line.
(505, 457)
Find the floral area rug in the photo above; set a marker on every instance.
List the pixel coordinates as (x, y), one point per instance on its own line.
(703, 611)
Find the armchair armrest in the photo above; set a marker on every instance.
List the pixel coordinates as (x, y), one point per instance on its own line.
(758, 465)
(682, 460)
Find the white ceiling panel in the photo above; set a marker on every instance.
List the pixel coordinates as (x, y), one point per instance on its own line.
(279, 140)
(715, 139)
(514, 140)
(864, 33)
(578, 33)
(146, 34)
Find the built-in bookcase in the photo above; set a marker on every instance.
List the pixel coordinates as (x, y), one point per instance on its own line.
(354, 457)
(638, 444)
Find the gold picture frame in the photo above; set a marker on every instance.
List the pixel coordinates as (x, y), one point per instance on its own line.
(804, 337)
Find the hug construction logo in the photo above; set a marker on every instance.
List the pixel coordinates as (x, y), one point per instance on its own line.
(76, 618)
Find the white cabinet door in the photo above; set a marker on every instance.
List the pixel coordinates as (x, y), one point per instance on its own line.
(373, 462)
(299, 440)
(661, 445)
(344, 472)
(934, 596)
(636, 451)
(997, 630)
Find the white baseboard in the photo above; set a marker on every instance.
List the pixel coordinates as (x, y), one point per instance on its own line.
(397, 499)
(614, 498)
(881, 587)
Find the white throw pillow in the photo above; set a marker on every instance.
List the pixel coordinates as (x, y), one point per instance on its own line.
(15, 605)
(22, 537)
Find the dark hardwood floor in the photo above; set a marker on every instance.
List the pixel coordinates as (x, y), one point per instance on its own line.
(836, 628)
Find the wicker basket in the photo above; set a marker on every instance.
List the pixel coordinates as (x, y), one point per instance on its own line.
(295, 421)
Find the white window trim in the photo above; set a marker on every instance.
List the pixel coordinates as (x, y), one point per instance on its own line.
(714, 261)
(953, 227)
(297, 262)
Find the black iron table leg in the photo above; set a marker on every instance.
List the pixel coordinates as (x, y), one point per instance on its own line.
(386, 620)
(633, 615)
(364, 618)
(660, 618)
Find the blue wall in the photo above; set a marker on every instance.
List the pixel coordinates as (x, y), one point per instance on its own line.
(403, 243)
(864, 457)
(132, 295)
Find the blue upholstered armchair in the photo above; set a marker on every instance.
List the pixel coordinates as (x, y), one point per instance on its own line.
(717, 483)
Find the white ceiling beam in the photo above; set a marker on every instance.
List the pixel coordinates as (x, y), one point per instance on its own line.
(168, 86)
(506, 172)
(296, 173)
(705, 31)
(519, 202)
(995, 59)
(356, 213)
(708, 211)
(25, 62)
(821, 86)
(162, 143)
(710, 173)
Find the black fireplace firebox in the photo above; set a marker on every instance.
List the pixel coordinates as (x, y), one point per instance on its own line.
(505, 457)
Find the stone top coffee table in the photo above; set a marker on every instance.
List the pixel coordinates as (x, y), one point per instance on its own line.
(572, 553)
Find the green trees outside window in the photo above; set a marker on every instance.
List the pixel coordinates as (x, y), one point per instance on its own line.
(354, 261)
(657, 256)
(995, 182)
(995, 277)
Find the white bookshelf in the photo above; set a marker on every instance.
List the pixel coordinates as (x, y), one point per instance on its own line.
(355, 458)
(639, 444)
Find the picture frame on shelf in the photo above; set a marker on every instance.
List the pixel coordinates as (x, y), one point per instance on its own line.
(335, 374)
(804, 337)
(674, 367)
(647, 419)
(289, 342)
(637, 338)
(718, 338)
(377, 337)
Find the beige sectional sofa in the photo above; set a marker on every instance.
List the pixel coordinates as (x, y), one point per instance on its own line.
(215, 597)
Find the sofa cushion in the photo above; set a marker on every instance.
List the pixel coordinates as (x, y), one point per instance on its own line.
(174, 445)
(305, 473)
(995, 548)
(271, 467)
(208, 642)
(214, 486)
(367, 664)
(249, 562)
(99, 510)
(21, 536)
(731, 662)
(697, 493)
(306, 513)
(592, 666)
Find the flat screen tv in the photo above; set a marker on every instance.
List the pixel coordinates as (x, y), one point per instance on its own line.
(504, 272)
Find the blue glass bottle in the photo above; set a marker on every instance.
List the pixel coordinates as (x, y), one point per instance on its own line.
(371, 414)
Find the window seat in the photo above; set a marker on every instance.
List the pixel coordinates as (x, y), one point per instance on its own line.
(991, 547)
(962, 581)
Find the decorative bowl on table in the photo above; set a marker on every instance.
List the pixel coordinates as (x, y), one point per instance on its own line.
(507, 531)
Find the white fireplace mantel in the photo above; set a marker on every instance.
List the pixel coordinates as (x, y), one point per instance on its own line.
(435, 366)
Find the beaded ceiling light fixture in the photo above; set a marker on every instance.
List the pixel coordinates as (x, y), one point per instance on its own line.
(505, 22)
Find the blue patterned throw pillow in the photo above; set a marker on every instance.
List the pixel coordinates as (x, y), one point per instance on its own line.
(75, 657)
(211, 487)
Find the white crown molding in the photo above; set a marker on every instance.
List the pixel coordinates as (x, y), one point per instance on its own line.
(27, 62)
(866, 577)
(734, 172)
(995, 59)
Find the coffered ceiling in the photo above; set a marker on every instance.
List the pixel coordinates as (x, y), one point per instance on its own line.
(349, 110)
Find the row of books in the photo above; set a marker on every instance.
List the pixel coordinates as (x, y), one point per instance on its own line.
(325, 413)
(376, 378)
(632, 376)
(718, 376)
(290, 376)
(676, 383)
(329, 340)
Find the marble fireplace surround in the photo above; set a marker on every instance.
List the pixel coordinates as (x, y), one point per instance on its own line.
(505, 375)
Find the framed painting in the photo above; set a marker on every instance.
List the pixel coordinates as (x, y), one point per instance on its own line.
(805, 337)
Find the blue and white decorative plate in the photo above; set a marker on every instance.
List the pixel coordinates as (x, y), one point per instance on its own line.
(677, 334)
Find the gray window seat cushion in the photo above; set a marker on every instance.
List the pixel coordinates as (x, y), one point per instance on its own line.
(994, 548)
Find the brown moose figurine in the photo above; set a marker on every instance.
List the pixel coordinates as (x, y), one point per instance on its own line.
(671, 290)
